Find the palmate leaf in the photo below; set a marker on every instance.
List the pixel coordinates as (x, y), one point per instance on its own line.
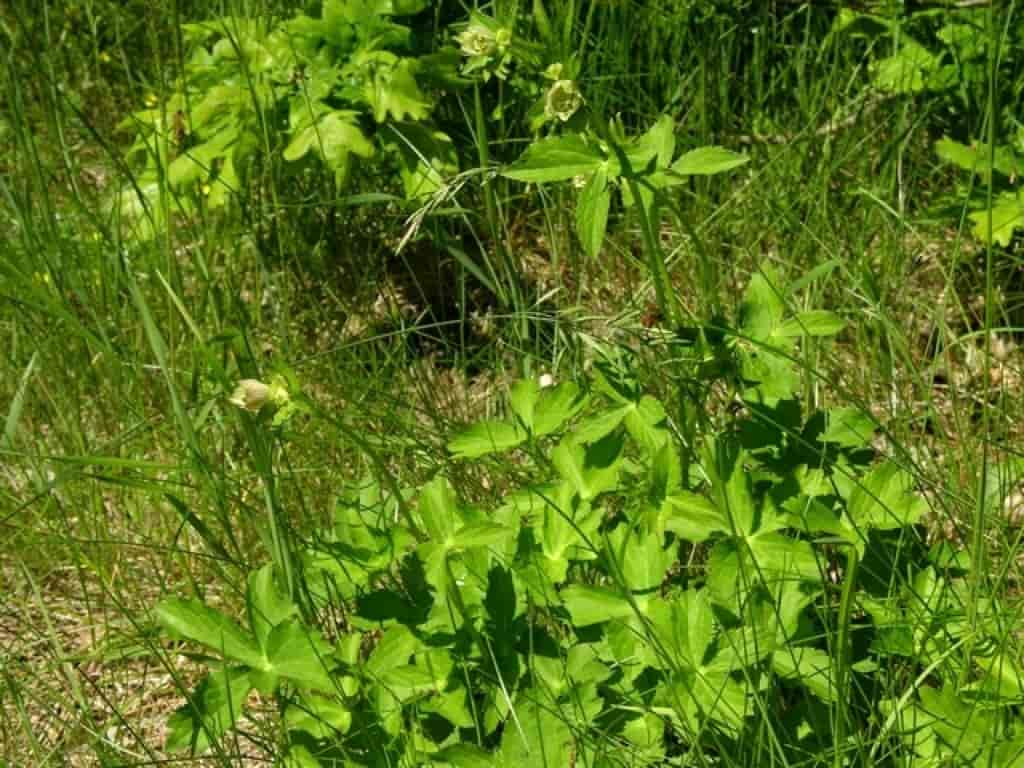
(707, 161)
(207, 626)
(809, 667)
(641, 558)
(816, 322)
(408, 681)
(301, 655)
(701, 667)
(658, 143)
(666, 473)
(979, 157)
(594, 605)
(466, 756)
(556, 406)
(392, 91)
(754, 552)
(762, 308)
(569, 525)
(334, 136)
(848, 427)
(645, 422)
(486, 437)
(268, 606)
(592, 212)
(542, 737)
(737, 566)
(543, 410)
(451, 705)
(438, 507)
(213, 708)
(907, 70)
(556, 159)
(481, 533)
(886, 499)
(693, 517)
(695, 695)
(647, 734)
(731, 489)
(590, 470)
(198, 162)
(597, 426)
(1007, 217)
(766, 342)
(318, 716)
(523, 398)
(685, 628)
(963, 726)
(394, 649)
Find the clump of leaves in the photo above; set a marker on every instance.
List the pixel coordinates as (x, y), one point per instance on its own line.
(948, 55)
(943, 52)
(600, 164)
(1001, 166)
(620, 606)
(347, 86)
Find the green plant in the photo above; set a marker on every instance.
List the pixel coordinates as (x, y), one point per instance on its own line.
(256, 92)
(966, 64)
(604, 602)
(946, 53)
(994, 220)
(124, 477)
(600, 163)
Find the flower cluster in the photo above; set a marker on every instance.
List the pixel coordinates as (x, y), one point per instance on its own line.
(563, 100)
(486, 45)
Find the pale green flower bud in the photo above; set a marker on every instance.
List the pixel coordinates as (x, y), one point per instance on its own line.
(477, 40)
(562, 100)
(250, 394)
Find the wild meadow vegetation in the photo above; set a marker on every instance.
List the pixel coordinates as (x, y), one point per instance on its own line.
(546, 383)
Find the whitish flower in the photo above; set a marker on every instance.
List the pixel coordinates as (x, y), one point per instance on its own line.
(546, 380)
(252, 394)
(477, 40)
(562, 100)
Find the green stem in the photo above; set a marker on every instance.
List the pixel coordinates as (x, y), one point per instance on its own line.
(843, 653)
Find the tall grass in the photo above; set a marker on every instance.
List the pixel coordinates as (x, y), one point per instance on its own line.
(124, 477)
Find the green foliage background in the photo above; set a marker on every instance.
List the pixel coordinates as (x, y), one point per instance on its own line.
(524, 383)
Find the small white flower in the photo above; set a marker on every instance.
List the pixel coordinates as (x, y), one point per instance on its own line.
(250, 394)
(562, 100)
(546, 380)
(477, 40)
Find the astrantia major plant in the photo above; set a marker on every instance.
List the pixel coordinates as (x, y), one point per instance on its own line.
(615, 605)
